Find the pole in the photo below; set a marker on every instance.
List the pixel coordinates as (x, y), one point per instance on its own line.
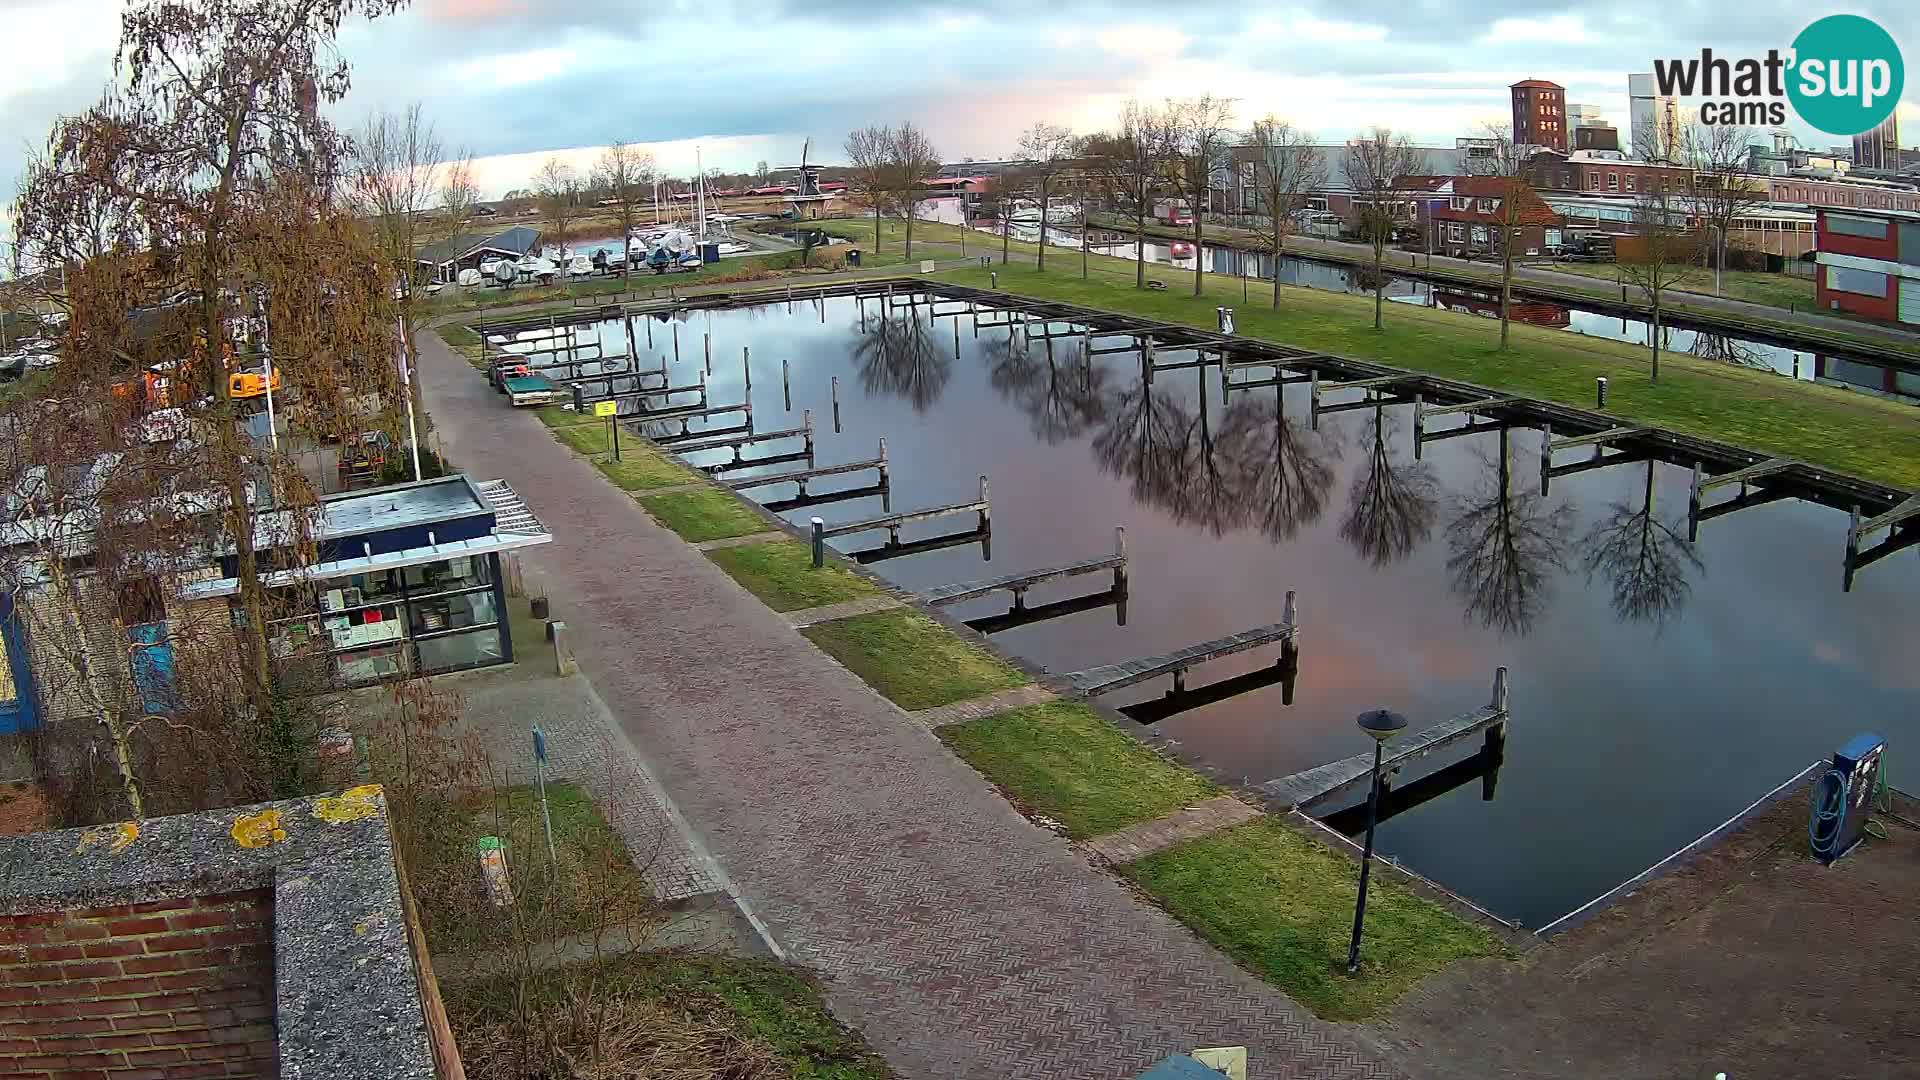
(406, 387)
(819, 543)
(614, 422)
(540, 781)
(1366, 863)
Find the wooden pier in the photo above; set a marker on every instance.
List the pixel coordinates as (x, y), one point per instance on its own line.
(1900, 536)
(1309, 786)
(740, 440)
(1019, 583)
(1599, 440)
(1371, 385)
(1110, 677)
(686, 416)
(1422, 412)
(582, 397)
(892, 523)
(800, 478)
(1703, 483)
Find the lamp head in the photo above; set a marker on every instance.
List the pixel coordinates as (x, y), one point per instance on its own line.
(1382, 724)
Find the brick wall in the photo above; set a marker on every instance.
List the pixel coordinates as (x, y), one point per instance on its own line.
(156, 991)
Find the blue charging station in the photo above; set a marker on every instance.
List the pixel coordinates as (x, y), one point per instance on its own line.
(1843, 797)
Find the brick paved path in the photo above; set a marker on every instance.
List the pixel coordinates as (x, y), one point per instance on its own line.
(960, 939)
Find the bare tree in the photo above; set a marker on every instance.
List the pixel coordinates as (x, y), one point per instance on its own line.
(1658, 251)
(626, 173)
(459, 193)
(1516, 206)
(1045, 151)
(1129, 165)
(1287, 168)
(869, 153)
(1376, 163)
(1721, 192)
(1197, 146)
(559, 188)
(211, 170)
(998, 197)
(396, 172)
(912, 160)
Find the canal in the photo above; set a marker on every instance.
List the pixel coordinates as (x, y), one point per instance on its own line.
(1659, 686)
(1706, 344)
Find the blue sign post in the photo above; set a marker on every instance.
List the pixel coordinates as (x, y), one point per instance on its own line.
(540, 782)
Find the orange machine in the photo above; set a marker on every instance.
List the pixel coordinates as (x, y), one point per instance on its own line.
(244, 385)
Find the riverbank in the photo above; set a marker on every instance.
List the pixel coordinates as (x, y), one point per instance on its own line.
(1773, 303)
(1855, 433)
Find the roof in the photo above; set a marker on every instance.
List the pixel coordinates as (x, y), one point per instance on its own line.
(1536, 84)
(514, 240)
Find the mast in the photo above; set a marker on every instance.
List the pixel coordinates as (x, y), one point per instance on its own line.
(700, 201)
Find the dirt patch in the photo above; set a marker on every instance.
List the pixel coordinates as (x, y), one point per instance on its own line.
(23, 809)
(1752, 960)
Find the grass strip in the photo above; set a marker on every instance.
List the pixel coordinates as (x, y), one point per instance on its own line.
(782, 575)
(677, 1014)
(642, 468)
(913, 660)
(1845, 431)
(1062, 760)
(704, 515)
(1281, 904)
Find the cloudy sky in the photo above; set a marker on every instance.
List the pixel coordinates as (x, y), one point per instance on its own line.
(517, 79)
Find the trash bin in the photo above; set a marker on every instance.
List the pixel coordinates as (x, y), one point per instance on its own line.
(853, 257)
(709, 253)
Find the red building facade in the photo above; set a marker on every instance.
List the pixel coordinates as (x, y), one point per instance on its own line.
(1540, 114)
(1869, 264)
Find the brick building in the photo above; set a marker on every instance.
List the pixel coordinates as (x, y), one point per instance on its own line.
(1463, 215)
(1540, 114)
(257, 942)
(1870, 264)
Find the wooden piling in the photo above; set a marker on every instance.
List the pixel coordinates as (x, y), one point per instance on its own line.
(676, 343)
(836, 404)
(633, 350)
(1120, 552)
(746, 367)
(706, 350)
(819, 543)
(786, 384)
(986, 507)
(1420, 424)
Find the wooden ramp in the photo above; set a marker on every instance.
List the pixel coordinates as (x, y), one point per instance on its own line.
(1107, 678)
(1321, 782)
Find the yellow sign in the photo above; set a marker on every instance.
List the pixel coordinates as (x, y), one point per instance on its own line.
(603, 408)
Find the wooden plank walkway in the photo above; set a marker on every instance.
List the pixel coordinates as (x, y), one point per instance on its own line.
(846, 609)
(1018, 583)
(1109, 677)
(1187, 823)
(1309, 786)
(802, 477)
(892, 522)
(990, 705)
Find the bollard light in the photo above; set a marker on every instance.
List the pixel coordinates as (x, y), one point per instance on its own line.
(993, 279)
(1600, 392)
(1380, 725)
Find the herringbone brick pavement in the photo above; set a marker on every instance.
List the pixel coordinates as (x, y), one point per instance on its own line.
(961, 940)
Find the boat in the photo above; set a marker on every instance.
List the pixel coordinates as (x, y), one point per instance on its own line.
(532, 266)
(470, 277)
(579, 266)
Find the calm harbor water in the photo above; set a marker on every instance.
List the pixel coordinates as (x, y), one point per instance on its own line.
(1659, 687)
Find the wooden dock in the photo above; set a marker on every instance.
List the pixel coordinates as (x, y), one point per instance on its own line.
(800, 478)
(1019, 583)
(1110, 677)
(1310, 786)
(1897, 523)
(685, 417)
(738, 441)
(892, 523)
(1599, 440)
(1422, 412)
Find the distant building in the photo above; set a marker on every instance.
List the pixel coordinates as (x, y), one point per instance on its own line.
(1579, 116)
(1540, 114)
(1879, 149)
(1464, 214)
(1870, 264)
(1654, 121)
(1596, 137)
(443, 260)
(1336, 196)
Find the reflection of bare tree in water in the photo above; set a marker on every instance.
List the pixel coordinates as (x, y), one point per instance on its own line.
(1391, 508)
(1140, 441)
(1503, 547)
(1289, 469)
(898, 356)
(1644, 559)
(1062, 391)
(1727, 350)
(1212, 487)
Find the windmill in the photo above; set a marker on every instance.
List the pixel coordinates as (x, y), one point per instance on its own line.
(809, 172)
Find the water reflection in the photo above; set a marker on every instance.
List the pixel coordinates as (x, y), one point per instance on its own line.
(1731, 350)
(900, 356)
(1288, 470)
(1645, 560)
(1504, 547)
(1060, 389)
(1391, 508)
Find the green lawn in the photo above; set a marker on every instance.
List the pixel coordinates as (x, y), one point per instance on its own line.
(678, 1014)
(1282, 905)
(912, 659)
(705, 515)
(1778, 290)
(781, 573)
(1848, 432)
(1062, 760)
(642, 468)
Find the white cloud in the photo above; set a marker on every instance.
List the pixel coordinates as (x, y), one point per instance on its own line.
(507, 70)
(1300, 28)
(1553, 30)
(1142, 41)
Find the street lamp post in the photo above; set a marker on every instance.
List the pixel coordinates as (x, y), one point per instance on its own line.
(1381, 724)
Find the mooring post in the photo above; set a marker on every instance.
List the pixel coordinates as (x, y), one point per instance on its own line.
(836, 404)
(956, 339)
(806, 425)
(789, 299)
(1120, 552)
(676, 343)
(1313, 398)
(1290, 615)
(786, 384)
(1546, 457)
(633, 350)
(819, 543)
(1693, 506)
(1796, 365)
(884, 482)
(746, 366)
(649, 322)
(706, 350)
(1420, 424)
(986, 506)
(1502, 700)
(1853, 548)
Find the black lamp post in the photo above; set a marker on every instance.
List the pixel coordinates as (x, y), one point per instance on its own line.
(1382, 724)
